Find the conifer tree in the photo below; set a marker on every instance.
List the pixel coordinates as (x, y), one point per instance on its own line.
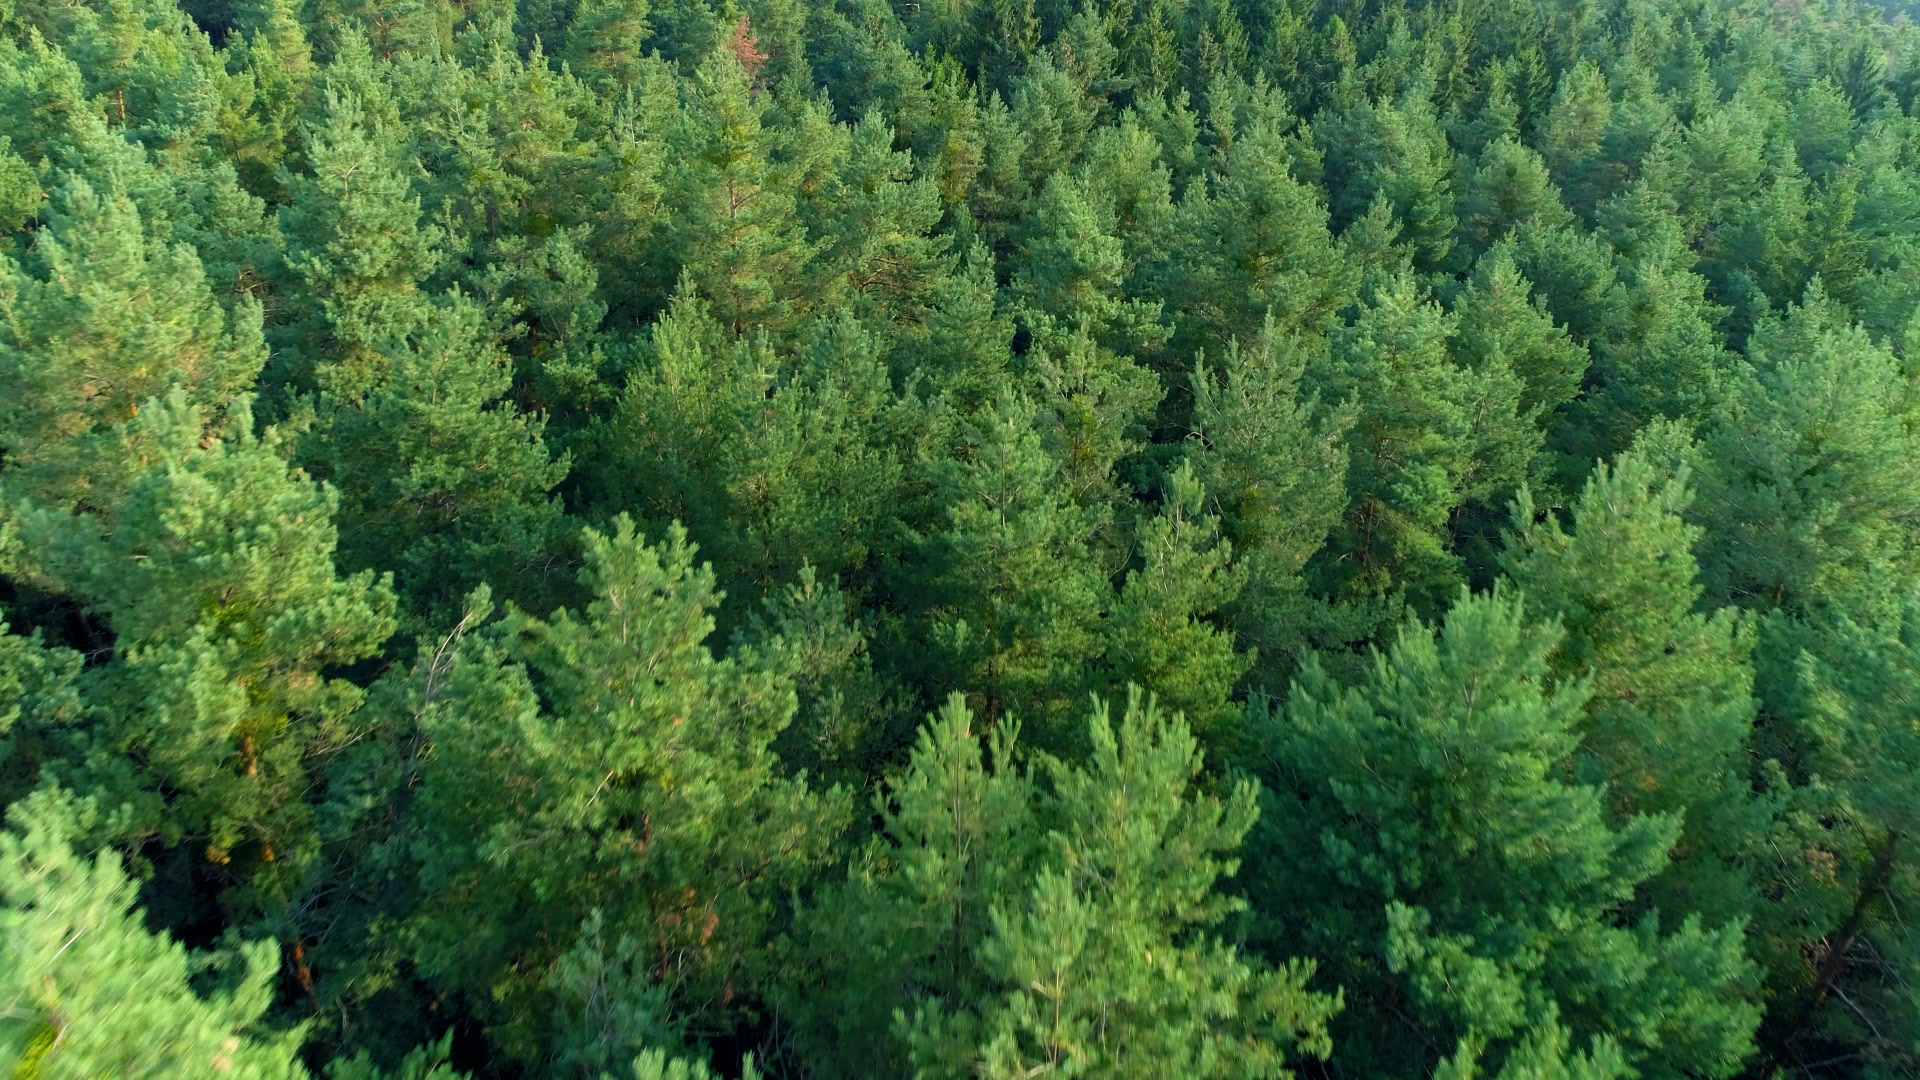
(1508, 188)
(662, 452)
(274, 70)
(1806, 479)
(604, 40)
(605, 761)
(1010, 593)
(1094, 407)
(1133, 858)
(734, 226)
(1159, 635)
(1055, 902)
(355, 250)
(88, 990)
(1499, 325)
(1660, 357)
(1484, 896)
(99, 319)
(1396, 152)
(37, 692)
(1671, 710)
(1410, 450)
(1071, 273)
(876, 235)
(440, 481)
(963, 813)
(1272, 460)
(1254, 243)
(215, 576)
(966, 347)
(816, 468)
(1854, 983)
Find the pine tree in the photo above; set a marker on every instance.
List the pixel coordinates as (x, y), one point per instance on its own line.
(962, 813)
(734, 227)
(1008, 588)
(1500, 326)
(605, 761)
(967, 345)
(1052, 905)
(1483, 897)
(100, 319)
(1671, 711)
(1574, 128)
(1273, 462)
(876, 237)
(356, 253)
(604, 41)
(1159, 635)
(1134, 858)
(87, 990)
(216, 578)
(1660, 357)
(1253, 243)
(815, 472)
(1070, 274)
(274, 70)
(1508, 188)
(1396, 152)
(1094, 408)
(1410, 450)
(1805, 487)
(1854, 959)
(663, 451)
(440, 481)
(38, 694)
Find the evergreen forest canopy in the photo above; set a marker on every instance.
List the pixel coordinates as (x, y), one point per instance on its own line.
(661, 539)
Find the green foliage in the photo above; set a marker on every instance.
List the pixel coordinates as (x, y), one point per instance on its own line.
(100, 319)
(1672, 707)
(1806, 474)
(88, 991)
(1001, 354)
(1012, 596)
(435, 470)
(1056, 898)
(603, 770)
(1272, 461)
(1483, 894)
(216, 578)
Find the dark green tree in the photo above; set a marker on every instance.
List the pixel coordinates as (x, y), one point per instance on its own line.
(605, 762)
(1484, 897)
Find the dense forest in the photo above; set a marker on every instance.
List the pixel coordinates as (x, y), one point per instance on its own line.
(670, 539)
